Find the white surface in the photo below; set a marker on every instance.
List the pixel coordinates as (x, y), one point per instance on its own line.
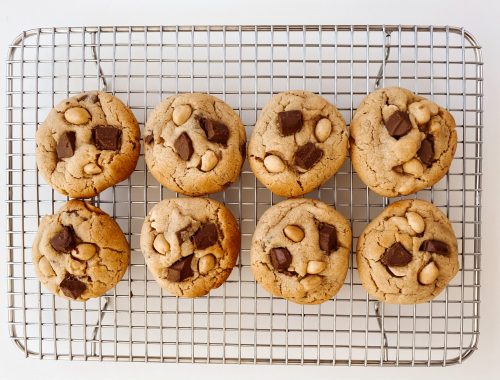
(479, 17)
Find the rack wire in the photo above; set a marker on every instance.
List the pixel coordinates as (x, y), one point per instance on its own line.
(244, 65)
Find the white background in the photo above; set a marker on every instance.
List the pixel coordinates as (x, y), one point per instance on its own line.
(481, 18)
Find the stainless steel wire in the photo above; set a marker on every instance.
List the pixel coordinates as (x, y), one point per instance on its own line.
(244, 65)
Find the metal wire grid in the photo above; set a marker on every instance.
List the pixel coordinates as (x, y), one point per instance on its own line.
(244, 65)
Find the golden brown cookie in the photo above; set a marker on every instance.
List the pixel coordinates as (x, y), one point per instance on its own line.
(300, 251)
(194, 144)
(87, 143)
(80, 252)
(190, 245)
(407, 254)
(401, 142)
(299, 142)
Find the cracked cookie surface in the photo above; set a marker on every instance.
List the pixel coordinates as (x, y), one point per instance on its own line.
(408, 254)
(401, 142)
(300, 251)
(80, 252)
(190, 245)
(194, 144)
(299, 141)
(87, 143)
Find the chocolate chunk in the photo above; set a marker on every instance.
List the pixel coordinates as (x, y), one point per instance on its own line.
(434, 246)
(183, 234)
(64, 241)
(205, 236)
(289, 273)
(216, 131)
(180, 270)
(226, 185)
(72, 287)
(327, 237)
(396, 256)
(280, 258)
(82, 98)
(107, 138)
(66, 145)
(426, 150)
(398, 124)
(307, 155)
(290, 122)
(94, 98)
(243, 150)
(149, 139)
(184, 146)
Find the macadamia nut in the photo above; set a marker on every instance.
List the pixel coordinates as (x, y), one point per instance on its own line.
(45, 267)
(77, 115)
(206, 263)
(315, 267)
(181, 114)
(92, 168)
(208, 161)
(323, 129)
(428, 274)
(294, 233)
(310, 282)
(415, 221)
(84, 251)
(274, 164)
(161, 244)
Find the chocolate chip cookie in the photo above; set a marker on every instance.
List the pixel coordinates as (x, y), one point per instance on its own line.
(401, 142)
(80, 252)
(298, 143)
(190, 245)
(194, 144)
(300, 251)
(407, 254)
(87, 143)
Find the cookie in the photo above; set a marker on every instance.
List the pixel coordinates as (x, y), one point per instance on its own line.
(401, 142)
(80, 252)
(190, 245)
(300, 251)
(194, 144)
(298, 143)
(87, 143)
(408, 253)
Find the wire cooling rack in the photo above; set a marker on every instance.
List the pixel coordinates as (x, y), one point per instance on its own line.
(244, 65)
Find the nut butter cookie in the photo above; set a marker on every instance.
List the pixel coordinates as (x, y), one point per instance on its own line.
(298, 143)
(87, 143)
(300, 251)
(407, 254)
(190, 245)
(401, 142)
(80, 252)
(194, 144)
